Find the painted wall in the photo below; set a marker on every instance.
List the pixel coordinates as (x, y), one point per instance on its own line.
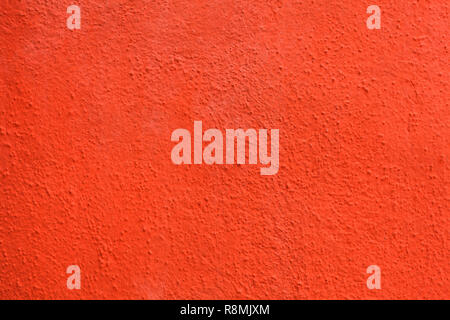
(86, 176)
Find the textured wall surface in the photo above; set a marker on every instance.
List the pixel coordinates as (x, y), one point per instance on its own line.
(86, 176)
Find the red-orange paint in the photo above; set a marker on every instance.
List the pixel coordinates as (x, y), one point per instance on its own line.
(86, 176)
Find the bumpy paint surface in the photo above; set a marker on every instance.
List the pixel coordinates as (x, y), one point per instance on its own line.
(86, 176)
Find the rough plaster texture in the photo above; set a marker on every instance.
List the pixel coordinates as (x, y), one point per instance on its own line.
(85, 170)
